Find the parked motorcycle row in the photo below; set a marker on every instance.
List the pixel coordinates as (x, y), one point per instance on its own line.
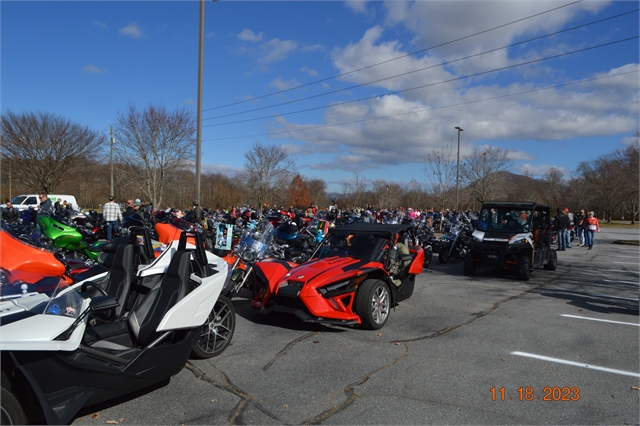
(85, 320)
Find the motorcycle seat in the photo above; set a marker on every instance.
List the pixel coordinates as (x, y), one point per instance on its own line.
(139, 329)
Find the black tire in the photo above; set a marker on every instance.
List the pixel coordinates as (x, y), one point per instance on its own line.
(552, 263)
(11, 412)
(217, 330)
(524, 268)
(443, 256)
(469, 267)
(428, 256)
(373, 304)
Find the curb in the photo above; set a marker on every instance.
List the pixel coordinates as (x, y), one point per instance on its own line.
(627, 242)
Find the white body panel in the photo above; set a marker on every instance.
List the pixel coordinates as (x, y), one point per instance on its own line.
(36, 333)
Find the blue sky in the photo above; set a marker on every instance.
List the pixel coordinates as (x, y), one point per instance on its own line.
(383, 84)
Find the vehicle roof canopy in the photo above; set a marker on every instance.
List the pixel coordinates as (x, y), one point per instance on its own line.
(514, 205)
(371, 229)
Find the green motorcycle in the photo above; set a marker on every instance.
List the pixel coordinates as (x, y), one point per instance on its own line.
(67, 240)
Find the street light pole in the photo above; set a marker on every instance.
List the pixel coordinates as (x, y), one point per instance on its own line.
(199, 103)
(458, 168)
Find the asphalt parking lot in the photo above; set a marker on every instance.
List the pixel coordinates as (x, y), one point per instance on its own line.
(561, 348)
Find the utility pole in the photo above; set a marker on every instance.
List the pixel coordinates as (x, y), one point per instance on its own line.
(199, 103)
(111, 158)
(458, 168)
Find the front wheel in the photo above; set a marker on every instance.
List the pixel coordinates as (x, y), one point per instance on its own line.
(373, 304)
(552, 263)
(217, 330)
(524, 268)
(443, 256)
(469, 267)
(11, 412)
(428, 255)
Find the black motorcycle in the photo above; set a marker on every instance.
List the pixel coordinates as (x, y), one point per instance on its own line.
(456, 244)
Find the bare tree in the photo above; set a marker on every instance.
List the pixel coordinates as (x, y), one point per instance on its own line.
(45, 150)
(267, 173)
(553, 186)
(480, 172)
(318, 192)
(441, 173)
(153, 145)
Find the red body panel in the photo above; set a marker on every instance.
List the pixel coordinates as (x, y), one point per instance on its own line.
(314, 275)
(168, 233)
(418, 261)
(16, 255)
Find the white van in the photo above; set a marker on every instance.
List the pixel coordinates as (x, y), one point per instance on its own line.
(23, 202)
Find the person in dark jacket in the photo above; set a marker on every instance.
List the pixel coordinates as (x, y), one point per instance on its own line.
(46, 206)
(561, 223)
(10, 213)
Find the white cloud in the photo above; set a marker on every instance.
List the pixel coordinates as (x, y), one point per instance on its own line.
(390, 130)
(248, 35)
(280, 84)
(99, 24)
(132, 30)
(93, 69)
(220, 168)
(309, 71)
(540, 170)
(358, 6)
(276, 50)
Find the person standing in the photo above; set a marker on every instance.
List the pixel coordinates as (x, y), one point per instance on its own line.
(578, 219)
(570, 226)
(10, 213)
(45, 207)
(129, 210)
(561, 223)
(593, 226)
(112, 216)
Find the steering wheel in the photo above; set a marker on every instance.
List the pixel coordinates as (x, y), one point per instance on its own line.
(94, 286)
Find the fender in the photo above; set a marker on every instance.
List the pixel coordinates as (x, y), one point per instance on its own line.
(269, 273)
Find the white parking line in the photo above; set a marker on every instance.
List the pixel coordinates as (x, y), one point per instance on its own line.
(614, 297)
(577, 364)
(623, 282)
(623, 270)
(601, 320)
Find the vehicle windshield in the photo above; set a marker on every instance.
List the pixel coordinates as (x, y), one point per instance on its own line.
(503, 219)
(19, 199)
(19, 283)
(254, 242)
(355, 246)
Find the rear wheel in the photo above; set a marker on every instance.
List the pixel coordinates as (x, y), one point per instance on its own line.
(11, 412)
(217, 330)
(524, 268)
(469, 265)
(373, 304)
(552, 263)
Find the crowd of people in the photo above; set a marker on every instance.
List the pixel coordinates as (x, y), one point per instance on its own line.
(584, 225)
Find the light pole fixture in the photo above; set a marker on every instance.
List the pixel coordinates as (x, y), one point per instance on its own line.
(458, 168)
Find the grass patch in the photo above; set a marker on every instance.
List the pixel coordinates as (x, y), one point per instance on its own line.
(619, 224)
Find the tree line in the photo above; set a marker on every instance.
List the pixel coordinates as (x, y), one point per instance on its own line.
(153, 159)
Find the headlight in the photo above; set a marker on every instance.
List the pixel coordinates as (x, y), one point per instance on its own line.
(519, 241)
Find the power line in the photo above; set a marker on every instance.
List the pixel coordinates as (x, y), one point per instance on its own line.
(320, 126)
(393, 59)
(430, 84)
(423, 69)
